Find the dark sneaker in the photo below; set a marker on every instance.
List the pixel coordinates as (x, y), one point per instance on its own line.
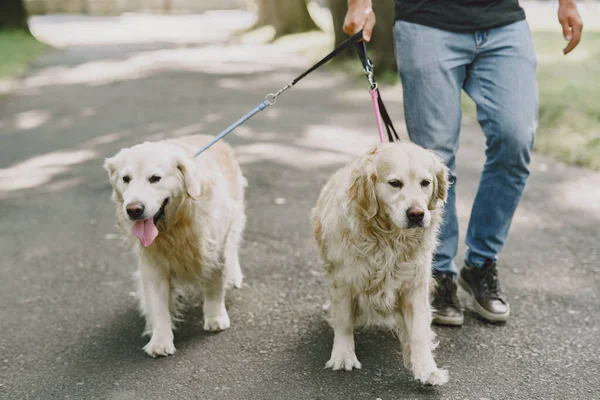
(445, 303)
(483, 286)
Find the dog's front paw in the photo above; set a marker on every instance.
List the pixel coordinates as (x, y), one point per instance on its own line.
(437, 377)
(345, 361)
(216, 323)
(159, 347)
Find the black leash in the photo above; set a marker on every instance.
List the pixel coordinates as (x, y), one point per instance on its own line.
(271, 98)
(346, 44)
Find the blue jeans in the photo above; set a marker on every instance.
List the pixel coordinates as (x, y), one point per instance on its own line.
(497, 69)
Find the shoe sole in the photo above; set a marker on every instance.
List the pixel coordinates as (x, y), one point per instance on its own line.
(448, 321)
(482, 312)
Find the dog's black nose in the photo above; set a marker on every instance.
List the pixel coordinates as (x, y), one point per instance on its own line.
(415, 215)
(135, 210)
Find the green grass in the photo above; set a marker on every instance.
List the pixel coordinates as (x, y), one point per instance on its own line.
(569, 90)
(569, 99)
(17, 49)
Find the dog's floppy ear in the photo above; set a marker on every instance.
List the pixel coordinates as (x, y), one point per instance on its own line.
(110, 165)
(440, 183)
(190, 178)
(362, 189)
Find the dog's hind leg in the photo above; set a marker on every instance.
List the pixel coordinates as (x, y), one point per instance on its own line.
(233, 269)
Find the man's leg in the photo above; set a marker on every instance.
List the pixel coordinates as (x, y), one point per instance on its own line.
(502, 82)
(432, 67)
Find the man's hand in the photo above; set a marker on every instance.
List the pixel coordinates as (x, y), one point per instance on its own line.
(569, 18)
(360, 15)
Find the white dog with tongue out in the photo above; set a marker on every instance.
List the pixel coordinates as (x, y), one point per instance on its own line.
(186, 217)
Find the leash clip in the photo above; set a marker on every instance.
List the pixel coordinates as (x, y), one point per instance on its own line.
(371, 79)
(370, 76)
(361, 49)
(271, 98)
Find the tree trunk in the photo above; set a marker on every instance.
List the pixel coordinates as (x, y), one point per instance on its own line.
(267, 13)
(287, 17)
(293, 17)
(383, 37)
(13, 16)
(382, 40)
(338, 10)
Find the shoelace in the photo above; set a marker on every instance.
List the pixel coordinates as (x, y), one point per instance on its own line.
(448, 294)
(489, 282)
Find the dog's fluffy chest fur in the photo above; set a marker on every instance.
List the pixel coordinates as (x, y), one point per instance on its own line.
(380, 263)
(190, 246)
(379, 273)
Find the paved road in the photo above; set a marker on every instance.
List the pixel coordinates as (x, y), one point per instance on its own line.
(69, 327)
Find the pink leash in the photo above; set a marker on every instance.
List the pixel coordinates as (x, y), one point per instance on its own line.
(381, 113)
(377, 114)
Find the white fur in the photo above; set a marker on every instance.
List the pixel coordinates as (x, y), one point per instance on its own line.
(378, 267)
(198, 240)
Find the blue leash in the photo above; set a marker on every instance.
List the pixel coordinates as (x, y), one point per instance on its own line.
(271, 98)
(239, 122)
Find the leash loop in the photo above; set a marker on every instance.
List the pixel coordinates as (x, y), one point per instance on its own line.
(271, 98)
(373, 87)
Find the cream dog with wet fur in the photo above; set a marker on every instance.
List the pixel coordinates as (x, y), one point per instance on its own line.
(376, 223)
(185, 218)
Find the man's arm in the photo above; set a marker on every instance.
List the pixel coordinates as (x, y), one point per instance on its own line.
(571, 23)
(360, 15)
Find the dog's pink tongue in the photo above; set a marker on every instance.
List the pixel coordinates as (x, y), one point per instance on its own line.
(145, 231)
